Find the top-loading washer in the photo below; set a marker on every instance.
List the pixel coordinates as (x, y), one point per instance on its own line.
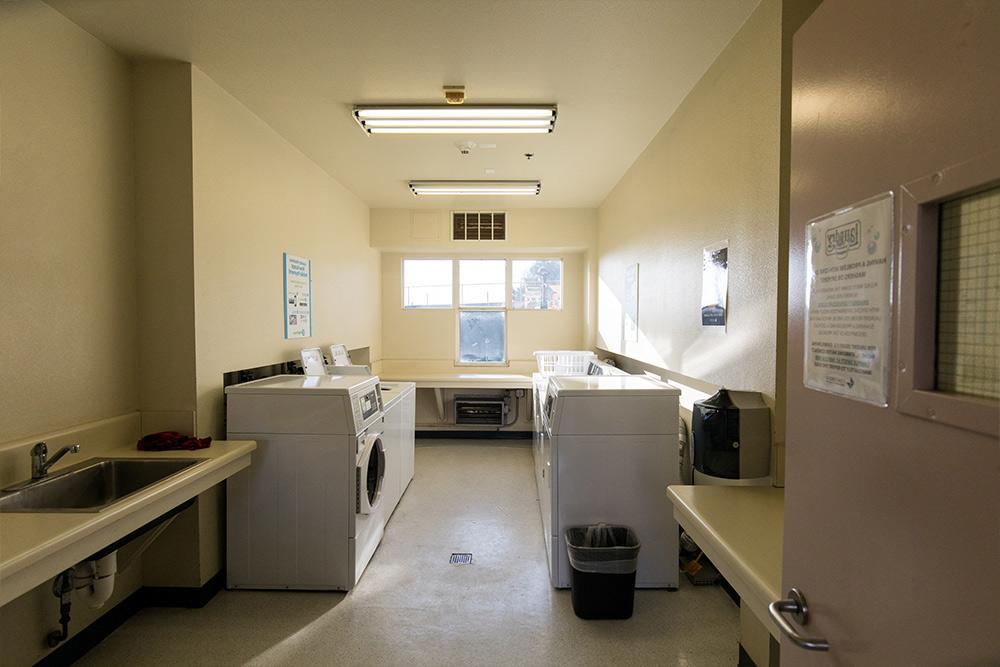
(541, 444)
(310, 510)
(613, 443)
(399, 400)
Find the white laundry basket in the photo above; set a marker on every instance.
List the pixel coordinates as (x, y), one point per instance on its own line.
(564, 362)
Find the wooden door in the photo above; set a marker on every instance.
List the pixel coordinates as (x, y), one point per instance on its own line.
(892, 520)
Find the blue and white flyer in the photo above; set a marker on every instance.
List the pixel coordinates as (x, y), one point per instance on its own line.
(298, 296)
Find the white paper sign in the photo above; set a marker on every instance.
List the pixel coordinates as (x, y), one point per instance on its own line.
(298, 296)
(632, 303)
(848, 317)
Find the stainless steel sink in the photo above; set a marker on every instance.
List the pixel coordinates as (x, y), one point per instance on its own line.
(90, 486)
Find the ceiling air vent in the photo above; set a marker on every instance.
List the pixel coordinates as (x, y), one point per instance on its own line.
(478, 226)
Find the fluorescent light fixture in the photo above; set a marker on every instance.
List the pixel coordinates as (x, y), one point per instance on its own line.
(481, 188)
(454, 119)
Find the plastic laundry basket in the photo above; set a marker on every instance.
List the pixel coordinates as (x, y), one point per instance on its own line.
(603, 559)
(564, 362)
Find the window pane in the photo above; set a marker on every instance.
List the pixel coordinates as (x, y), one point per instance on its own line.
(482, 282)
(426, 283)
(537, 284)
(481, 336)
(968, 312)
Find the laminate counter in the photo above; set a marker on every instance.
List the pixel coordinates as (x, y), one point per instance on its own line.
(36, 546)
(741, 529)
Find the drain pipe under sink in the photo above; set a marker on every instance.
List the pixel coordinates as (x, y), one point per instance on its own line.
(93, 581)
(98, 579)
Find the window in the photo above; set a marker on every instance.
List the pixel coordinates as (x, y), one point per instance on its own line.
(948, 308)
(481, 291)
(968, 312)
(536, 284)
(482, 321)
(427, 283)
(482, 282)
(482, 336)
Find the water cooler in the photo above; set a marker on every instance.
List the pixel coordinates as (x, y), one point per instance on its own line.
(732, 439)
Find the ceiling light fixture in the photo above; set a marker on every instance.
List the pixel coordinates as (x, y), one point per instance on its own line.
(455, 119)
(481, 188)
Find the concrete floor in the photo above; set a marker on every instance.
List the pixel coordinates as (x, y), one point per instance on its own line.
(412, 608)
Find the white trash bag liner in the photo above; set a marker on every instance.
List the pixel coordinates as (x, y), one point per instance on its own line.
(603, 549)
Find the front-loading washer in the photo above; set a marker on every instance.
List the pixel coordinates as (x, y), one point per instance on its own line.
(369, 499)
(309, 511)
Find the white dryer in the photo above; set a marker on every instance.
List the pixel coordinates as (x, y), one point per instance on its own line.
(613, 451)
(309, 512)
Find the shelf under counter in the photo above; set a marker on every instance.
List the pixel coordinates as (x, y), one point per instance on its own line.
(741, 529)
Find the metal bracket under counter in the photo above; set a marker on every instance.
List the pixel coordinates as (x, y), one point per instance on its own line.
(440, 381)
(741, 529)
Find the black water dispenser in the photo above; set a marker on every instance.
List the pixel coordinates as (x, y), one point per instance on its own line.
(732, 438)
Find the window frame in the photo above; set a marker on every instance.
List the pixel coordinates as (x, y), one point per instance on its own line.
(562, 281)
(919, 211)
(402, 283)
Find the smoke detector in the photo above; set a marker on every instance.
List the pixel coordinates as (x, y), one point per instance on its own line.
(454, 94)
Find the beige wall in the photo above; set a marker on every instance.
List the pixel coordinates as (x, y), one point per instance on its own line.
(528, 229)
(68, 277)
(710, 174)
(256, 196)
(429, 335)
(716, 170)
(164, 222)
(426, 338)
(67, 235)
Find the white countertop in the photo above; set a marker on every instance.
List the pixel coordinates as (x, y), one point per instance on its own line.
(741, 529)
(393, 392)
(36, 546)
(425, 380)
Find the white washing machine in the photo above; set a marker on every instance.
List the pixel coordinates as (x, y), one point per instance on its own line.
(310, 510)
(399, 401)
(613, 452)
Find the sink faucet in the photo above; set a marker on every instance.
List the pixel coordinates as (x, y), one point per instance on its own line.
(40, 461)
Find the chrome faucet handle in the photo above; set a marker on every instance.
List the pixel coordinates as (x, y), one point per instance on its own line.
(40, 462)
(39, 454)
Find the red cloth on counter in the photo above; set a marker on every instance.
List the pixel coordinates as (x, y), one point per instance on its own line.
(166, 440)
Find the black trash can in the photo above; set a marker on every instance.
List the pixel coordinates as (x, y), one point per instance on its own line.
(603, 559)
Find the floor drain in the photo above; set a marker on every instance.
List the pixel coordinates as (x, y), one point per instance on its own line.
(460, 559)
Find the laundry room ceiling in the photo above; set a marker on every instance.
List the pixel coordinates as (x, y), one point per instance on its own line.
(617, 69)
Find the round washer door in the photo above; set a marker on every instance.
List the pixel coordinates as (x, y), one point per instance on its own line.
(370, 473)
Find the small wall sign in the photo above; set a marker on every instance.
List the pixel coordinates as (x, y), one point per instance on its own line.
(848, 317)
(297, 279)
(632, 303)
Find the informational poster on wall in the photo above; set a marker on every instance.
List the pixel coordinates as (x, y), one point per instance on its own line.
(298, 296)
(631, 303)
(848, 284)
(714, 284)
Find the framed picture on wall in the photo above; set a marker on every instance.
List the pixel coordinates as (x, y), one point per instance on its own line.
(715, 284)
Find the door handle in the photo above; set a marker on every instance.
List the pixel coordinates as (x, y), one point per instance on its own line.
(795, 605)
